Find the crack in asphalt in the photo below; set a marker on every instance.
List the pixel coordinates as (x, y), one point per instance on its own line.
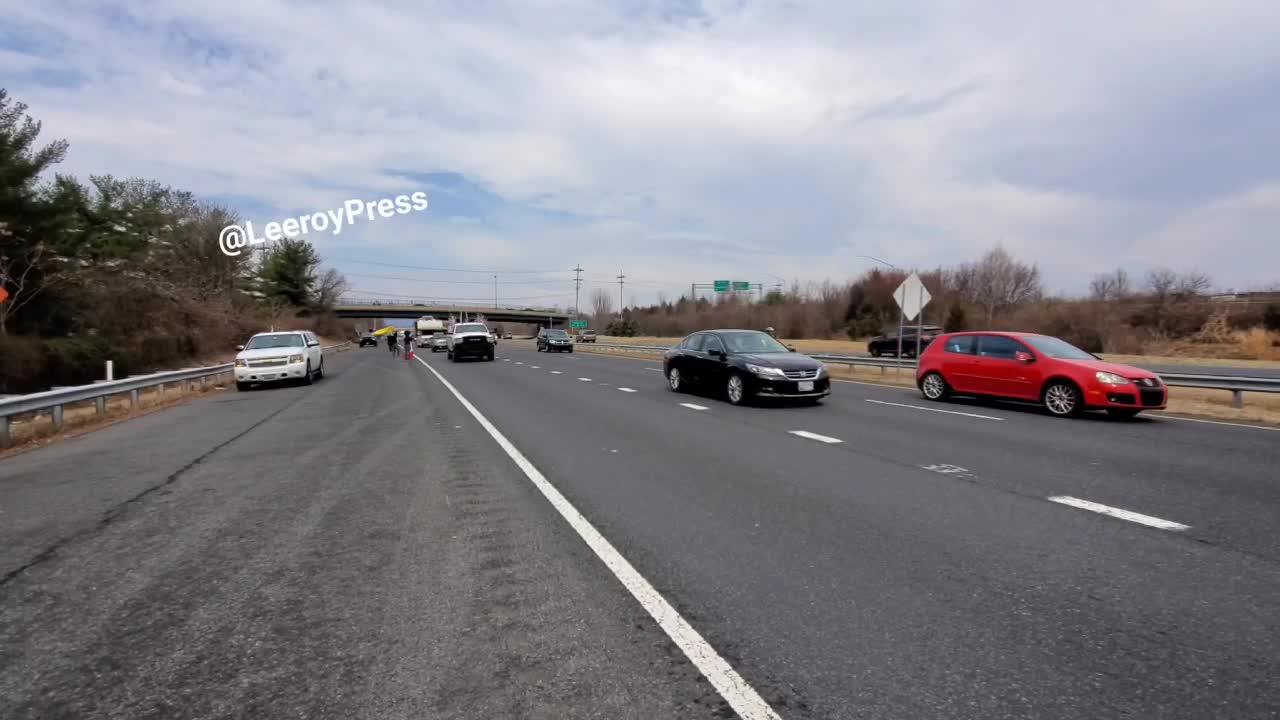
(113, 513)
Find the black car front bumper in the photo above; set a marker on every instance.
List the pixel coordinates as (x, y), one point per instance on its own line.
(791, 388)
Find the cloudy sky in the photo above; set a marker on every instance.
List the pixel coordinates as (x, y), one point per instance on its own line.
(681, 141)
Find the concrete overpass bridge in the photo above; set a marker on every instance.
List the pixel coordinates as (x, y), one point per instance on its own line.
(412, 310)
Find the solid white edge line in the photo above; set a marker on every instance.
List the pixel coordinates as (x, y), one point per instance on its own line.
(732, 687)
(691, 406)
(937, 410)
(1214, 422)
(1154, 522)
(815, 436)
(626, 389)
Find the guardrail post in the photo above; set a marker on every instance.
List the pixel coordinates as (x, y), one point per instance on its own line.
(160, 391)
(57, 416)
(101, 404)
(4, 431)
(1237, 399)
(133, 399)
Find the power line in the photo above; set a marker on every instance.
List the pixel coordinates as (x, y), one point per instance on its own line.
(621, 303)
(577, 288)
(452, 282)
(440, 269)
(355, 291)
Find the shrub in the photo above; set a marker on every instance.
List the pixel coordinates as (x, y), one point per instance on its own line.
(956, 321)
(1271, 318)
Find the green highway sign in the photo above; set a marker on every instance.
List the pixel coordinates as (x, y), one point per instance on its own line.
(721, 286)
(738, 285)
(578, 324)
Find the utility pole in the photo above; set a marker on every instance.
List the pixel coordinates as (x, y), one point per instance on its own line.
(577, 287)
(495, 292)
(621, 303)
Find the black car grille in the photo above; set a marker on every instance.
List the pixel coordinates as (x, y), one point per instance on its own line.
(801, 374)
(473, 339)
(1152, 396)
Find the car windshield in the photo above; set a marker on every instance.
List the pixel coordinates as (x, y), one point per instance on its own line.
(471, 328)
(262, 342)
(557, 334)
(1057, 349)
(752, 342)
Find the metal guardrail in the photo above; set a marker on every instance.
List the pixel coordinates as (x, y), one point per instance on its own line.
(1236, 385)
(55, 400)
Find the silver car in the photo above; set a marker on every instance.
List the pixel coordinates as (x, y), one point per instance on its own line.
(438, 342)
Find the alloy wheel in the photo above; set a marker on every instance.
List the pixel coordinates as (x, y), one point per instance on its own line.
(735, 389)
(934, 386)
(1060, 399)
(674, 379)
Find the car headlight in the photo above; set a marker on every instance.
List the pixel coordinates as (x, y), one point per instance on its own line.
(822, 371)
(295, 359)
(242, 363)
(1107, 378)
(765, 371)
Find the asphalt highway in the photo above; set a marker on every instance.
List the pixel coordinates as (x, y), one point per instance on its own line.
(366, 547)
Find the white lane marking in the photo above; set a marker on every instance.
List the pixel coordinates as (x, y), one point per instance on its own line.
(534, 367)
(654, 369)
(506, 359)
(585, 379)
(920, 407)
(816, 436)
(1214, 422)
(626, 389)
(732, 687)
(691, 406)
(1154, 522)
(556, 372)
(945, 469)
(519, 363)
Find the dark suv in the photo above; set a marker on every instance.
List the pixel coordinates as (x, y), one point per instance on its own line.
(554, 340)
(887, 344)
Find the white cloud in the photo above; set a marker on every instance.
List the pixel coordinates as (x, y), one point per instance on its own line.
(794, 137)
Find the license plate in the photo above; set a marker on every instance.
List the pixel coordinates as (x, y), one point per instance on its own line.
(805, 386)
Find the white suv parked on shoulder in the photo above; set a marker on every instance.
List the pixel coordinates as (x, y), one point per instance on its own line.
(276, 356)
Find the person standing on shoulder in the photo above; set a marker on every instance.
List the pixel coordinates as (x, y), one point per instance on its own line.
(391, 343)
(408, 345)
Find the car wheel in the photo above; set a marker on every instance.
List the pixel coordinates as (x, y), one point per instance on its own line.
(320, 372)
(1062, 399)
(934, 387)
(736, 389)
(875, 352)
(571, 350)
(1122, 413)
(490, 356)
(675, 380)
(242, 386)
(308, 378)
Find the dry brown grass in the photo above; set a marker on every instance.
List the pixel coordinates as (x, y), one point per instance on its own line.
(36, 429)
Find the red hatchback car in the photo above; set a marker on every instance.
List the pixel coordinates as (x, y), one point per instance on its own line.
(1024, 366)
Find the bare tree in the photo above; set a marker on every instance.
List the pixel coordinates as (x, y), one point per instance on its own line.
(330, 286)
(1111, 286)
(602, 305)
(1161, 283)
(997, 282)
(15, 279)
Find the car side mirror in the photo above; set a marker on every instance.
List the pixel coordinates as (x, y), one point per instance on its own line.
(1025, 357)
(715, 353)
(791, 348)
(239, 348)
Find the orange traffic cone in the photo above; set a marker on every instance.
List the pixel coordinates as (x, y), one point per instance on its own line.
(410, 353)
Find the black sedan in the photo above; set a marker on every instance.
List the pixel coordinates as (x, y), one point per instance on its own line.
(369, 340)
(887, 344)
(744, 364)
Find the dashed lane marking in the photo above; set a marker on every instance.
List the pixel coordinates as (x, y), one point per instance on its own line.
(937, 410)
(626, 389)
(691, 406)
(740, 696)
(815, 436)
(1147, 520)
